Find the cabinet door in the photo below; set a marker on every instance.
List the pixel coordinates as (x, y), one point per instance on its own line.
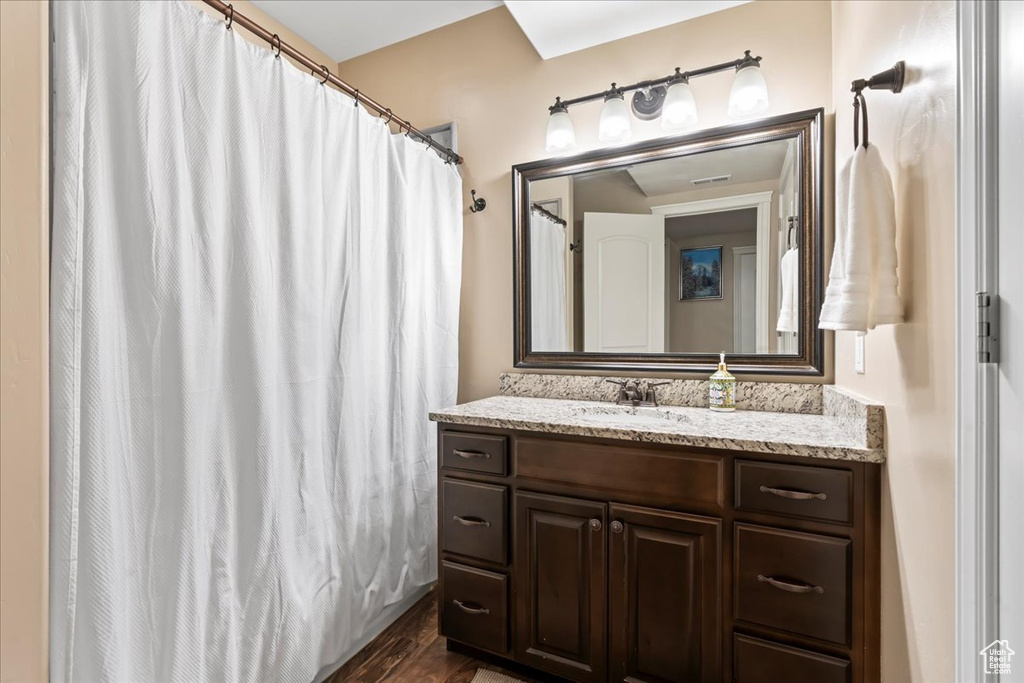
(561, 585)
(664, 573)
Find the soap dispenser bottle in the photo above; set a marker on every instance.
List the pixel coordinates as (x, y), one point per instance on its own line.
(722, 392)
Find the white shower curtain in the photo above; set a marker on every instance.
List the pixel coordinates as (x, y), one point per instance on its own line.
(255, 296)
(548, 325)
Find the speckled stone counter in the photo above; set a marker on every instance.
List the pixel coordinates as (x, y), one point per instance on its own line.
(846, 427)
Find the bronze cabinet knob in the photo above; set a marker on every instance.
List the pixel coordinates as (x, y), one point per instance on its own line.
(595, 525)
(617, 527)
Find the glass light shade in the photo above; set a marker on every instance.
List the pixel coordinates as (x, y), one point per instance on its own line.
(749, 94)
(561, 135)
(614, 125)
(680, 108)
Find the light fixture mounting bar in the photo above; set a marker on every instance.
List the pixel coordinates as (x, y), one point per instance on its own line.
(684, 75)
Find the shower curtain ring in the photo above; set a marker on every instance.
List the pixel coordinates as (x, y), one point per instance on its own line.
(231, 16)
(326, 73)
(276, 39)
(391, 116)
(355, 98)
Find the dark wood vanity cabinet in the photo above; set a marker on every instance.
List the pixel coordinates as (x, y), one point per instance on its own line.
(599, 560)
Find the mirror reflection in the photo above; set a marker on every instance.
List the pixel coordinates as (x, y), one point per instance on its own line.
(691, 254)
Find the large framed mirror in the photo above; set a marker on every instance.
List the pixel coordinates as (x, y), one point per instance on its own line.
(659, 255)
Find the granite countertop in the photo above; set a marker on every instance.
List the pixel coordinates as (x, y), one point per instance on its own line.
(815, 435)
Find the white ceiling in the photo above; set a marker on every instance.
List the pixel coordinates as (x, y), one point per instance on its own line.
(748, 164)
(348, 28)
(558, 27)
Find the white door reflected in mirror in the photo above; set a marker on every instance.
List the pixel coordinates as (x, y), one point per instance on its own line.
(624, 283)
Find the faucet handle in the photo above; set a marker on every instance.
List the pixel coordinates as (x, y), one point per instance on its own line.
(622, 389)
(650, 394)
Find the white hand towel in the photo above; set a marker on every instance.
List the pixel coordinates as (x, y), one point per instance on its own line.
(832, 310)
(862, 287)
(789, 310)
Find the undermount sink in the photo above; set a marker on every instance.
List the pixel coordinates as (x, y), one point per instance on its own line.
(629, 416)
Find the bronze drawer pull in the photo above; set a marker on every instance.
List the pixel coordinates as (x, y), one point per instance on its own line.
(795, 495)
(470, 454)
(468, 609)
(791, 587)
(470, 521)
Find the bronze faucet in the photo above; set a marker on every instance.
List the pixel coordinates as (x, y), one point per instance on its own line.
(631, 393)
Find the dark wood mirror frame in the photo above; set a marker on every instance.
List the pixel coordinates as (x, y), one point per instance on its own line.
(807, 127)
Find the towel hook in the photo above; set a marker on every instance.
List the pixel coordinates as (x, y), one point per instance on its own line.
(890, 79)
(479, 203)
(789, 232)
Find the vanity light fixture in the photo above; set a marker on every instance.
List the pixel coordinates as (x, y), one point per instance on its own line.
(670, 97)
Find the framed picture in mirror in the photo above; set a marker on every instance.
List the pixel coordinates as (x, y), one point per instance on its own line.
(700, 273)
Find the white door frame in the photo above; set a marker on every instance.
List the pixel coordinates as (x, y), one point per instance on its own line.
(762, 201)
(976, 440)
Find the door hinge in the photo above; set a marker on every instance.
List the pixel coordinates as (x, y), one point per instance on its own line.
(988, 328)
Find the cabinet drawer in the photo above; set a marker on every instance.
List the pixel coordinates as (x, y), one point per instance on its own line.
(637, 471)
(474, 607)
(795, 490)
(762, 661)
(474, 452)
(793, 581)
(474, 521)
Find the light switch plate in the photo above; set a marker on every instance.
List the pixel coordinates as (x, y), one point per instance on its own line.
(858, 353)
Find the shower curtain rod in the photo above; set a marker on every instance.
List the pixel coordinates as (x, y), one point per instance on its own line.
(322, 71)
(550, 216)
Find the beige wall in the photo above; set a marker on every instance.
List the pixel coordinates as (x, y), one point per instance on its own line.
(24, 257)
(24, 253)
(909, 367)
(483, 74)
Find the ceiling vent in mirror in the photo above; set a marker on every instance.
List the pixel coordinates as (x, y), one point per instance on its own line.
(712, 179)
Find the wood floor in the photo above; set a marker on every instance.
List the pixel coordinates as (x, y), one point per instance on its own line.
(411, 650)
